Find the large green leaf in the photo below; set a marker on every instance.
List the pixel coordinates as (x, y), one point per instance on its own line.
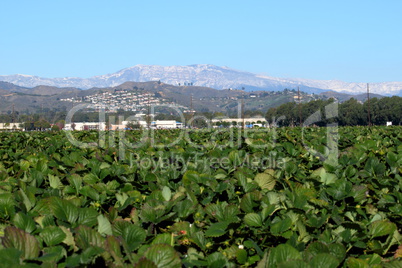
(119, 226)
(24, 222)
(10, 257)
(24, 165)
(314, 249)
(69, 240)
(85, 257)
(359, 192)
(64, 210)
(393, 264)
(374, 166)
(197, 260)
(381, 228)
(324, 260)
(337, 250)
(151, 213)
(281, 226)
(90, 192)
(244, 181)
(316, 220)
(324, 177)
(289, 167)
(265, 181)
(7, 208)
(104, 226)
(163, 256)
(253, 220)
(87, 216)
(216, 260)
(133, 236)
(340, 189)
(217, 229)
(290, 148)
(54, 182)
(282, 253)
(191, 176)
(91, 178)
(247, 203)
(28, 199)
(241, 256)
(86, 237)
(165, 238)
(21, 240)
(199, 239)
(53, 235)
(223, 211)
(356, 263)
(113, 247)
(145, 263)
(52, 255)
(184, 208)
(166, 193)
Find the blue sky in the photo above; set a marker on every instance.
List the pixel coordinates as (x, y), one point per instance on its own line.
(353, 41)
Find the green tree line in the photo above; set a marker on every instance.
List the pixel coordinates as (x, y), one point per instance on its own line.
(348, 113)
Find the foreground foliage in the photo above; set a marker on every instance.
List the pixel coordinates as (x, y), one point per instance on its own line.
(267, 199)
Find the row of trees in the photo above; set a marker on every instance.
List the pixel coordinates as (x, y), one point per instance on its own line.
(38, 121)
(348, 113)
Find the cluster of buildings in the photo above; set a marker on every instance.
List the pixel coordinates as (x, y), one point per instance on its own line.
(122, 99)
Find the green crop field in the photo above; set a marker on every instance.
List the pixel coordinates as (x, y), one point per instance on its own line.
(285, 197)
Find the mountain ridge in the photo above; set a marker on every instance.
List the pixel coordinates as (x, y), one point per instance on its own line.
(205, 75)
(202, 99)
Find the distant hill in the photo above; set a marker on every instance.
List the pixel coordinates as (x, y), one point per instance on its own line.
(209, 99)
(205, 75)
(341, 97)
(48, 90)
(10, 86)
(201, 98)
(33, 99)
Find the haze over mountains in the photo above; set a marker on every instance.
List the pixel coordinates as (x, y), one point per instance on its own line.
(205, 75)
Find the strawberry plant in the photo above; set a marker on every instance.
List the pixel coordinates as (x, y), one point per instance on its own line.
(205, 198)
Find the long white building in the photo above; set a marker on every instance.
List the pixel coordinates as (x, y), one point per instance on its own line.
(85, 126)
(12, 126)
(255, 121)
(158, 124)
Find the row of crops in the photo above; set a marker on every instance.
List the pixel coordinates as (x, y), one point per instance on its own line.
(206, 198)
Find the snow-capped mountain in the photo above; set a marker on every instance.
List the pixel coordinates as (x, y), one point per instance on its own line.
(204, 75)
